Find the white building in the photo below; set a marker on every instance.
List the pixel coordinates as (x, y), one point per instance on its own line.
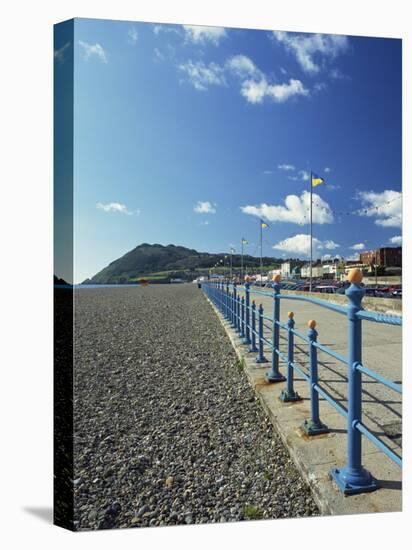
(274, 272)
(286, 270)
(317, 271)
(332, 270)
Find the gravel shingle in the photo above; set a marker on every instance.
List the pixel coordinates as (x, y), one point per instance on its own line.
(167, 428)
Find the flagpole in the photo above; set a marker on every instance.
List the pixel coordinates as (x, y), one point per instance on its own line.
(311, 233)
(241, 264)
(261, 261)
(230, 264)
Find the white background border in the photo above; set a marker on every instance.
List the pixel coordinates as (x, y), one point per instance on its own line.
(26, 254)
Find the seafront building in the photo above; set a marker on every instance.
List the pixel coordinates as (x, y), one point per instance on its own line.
(386, 257)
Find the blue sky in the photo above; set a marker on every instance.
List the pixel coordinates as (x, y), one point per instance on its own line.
(187, 135)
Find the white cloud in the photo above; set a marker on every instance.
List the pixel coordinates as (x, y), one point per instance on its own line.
(205, 207)
(60, 53)
(337, 74)
(300, 244)
(255, 86)
(286, 167)
(133, 36)
(353, 257)
(92, 50)
(157, 29)
(201, 76)
(359, 246)
(386, 207)
(159, 56)
(243, 66)
(267, 172)
(302, 175)
(320, 86)
(203, 35)
(312, 50)
(206, 222)
(327, 169)
(255, 91)
(116, 207)
(295, 210)
(396, 240)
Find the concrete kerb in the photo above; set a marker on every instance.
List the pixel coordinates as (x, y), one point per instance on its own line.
(315, 456)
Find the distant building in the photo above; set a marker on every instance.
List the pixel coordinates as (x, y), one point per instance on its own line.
(332, 270)
(274, 272)
(350, 264)
(317, 271)
(290, 269)
(285, 269)
(386, 257)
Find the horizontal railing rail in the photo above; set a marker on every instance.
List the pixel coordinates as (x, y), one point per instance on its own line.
(250, 321)
(379, 317)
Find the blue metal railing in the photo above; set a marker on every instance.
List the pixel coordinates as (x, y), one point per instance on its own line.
(249, 321)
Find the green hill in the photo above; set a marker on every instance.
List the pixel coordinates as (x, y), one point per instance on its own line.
(158, 262)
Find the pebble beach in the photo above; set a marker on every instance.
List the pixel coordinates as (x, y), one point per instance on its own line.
(167, 429)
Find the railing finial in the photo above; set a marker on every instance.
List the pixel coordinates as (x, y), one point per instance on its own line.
(355, 276)
(276, 278)
(291, 314)
(312, 323)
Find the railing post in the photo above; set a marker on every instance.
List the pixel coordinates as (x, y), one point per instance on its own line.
(221, 297)
(289, 394)
(234, 307)
(242, 330)
(247, 313)
(260, 358)
(274, 375)
(238, 314)
(353, 478)
(253, 348)
(313, 425)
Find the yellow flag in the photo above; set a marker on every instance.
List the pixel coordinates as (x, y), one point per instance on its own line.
(317, 180)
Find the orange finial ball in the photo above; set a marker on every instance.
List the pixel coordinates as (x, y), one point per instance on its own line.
(355, 276)
(312, 323)
(291, 314)
(276, 278)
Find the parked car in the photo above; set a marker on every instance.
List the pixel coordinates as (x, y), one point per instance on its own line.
(325, 289)
(370, 291)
